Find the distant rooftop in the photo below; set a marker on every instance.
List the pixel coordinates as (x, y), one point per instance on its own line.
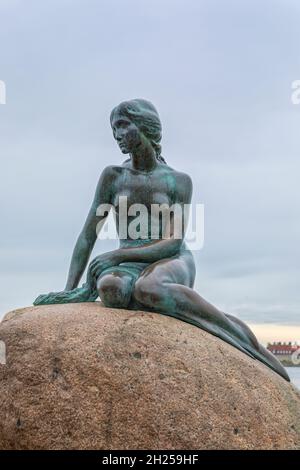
(279, 347)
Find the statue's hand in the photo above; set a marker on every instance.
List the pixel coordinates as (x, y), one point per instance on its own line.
(104, 261)
(51, 298)
(40, 300)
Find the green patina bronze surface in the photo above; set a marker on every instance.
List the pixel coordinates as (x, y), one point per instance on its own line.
(153, 275)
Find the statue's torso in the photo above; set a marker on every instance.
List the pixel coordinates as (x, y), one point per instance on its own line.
(148, 189)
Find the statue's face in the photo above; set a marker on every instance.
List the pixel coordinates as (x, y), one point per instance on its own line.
(126, 133)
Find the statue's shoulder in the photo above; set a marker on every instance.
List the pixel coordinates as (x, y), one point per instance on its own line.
(111, 171)
(180, 177)
(108, 178)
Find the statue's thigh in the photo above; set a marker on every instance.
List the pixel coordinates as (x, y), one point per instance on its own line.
(175, 270)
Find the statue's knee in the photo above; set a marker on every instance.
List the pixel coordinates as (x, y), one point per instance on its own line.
(146, 292)
(114, 291)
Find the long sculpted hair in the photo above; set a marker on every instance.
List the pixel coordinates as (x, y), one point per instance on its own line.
(145, 116)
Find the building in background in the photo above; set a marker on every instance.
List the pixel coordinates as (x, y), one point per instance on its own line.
(286, 353)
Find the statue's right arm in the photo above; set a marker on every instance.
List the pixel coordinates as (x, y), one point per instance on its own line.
(93, 224)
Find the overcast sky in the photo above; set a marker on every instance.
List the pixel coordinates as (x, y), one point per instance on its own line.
(220, 75)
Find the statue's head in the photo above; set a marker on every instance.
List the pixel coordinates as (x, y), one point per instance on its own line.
(134, 122)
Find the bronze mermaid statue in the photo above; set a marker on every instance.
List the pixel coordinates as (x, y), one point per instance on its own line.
(146, 273)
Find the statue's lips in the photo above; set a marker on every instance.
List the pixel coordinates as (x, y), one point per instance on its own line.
(122, 145)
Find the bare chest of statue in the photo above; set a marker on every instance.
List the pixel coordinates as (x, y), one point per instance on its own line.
(145, 189)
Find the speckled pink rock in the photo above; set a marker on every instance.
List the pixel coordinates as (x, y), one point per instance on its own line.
(80, 376)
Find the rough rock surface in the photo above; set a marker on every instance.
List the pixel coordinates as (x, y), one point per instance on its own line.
(80, 376)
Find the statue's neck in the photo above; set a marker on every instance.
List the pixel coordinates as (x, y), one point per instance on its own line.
(143, 158)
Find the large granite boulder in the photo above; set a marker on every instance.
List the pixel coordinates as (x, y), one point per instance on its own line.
(80, 376)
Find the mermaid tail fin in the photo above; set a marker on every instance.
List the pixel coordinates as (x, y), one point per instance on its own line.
(262, 355)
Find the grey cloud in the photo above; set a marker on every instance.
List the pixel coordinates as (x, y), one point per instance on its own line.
(220, 75)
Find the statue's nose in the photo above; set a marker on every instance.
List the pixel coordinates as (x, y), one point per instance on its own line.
(119, 135)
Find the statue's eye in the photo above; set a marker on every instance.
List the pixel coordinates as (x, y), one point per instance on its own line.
(122, 123)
